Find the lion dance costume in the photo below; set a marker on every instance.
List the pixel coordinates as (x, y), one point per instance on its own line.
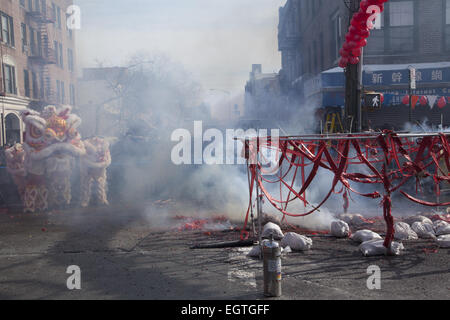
(42, 167)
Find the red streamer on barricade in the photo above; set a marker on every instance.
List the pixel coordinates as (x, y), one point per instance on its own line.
(398, 157)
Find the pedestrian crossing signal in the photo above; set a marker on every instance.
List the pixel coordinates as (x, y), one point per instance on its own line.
(372, 100)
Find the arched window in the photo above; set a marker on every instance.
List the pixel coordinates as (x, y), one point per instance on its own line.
(12, 129)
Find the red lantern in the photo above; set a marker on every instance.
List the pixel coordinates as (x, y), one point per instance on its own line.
(442, 102)
(405, 100)
(423, 101)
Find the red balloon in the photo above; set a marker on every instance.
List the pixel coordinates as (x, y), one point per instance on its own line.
(364, 5)
(344, 53)
(345, 46)
(354, 60)
(357, 38)
(353, 30)
(405, 100)
(363, 43)
(423, 101)
(364, 33)
(343, 62)
(442, 102)
(352, 44)
(356, 52)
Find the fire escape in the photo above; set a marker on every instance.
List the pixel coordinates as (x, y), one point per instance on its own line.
(41, 53)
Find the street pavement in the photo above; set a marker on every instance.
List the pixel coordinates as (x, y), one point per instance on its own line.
(124, 253)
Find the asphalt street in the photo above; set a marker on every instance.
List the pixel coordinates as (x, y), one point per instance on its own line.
(122, 254)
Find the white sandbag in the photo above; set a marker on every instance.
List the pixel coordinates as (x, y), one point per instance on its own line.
(254, 252)
(272, 228)
(269, 217)
(376, 248)
(441, 227)
(352, 218)
(296, 242)
(365, 235)
(424, 230)
(422, 219)
(404, 232)
(443, 241)
(340, 229)
(286, 250)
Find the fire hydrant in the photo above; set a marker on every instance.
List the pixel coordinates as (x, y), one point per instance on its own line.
(272, 268)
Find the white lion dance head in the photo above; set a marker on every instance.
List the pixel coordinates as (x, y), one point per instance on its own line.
(42, 168)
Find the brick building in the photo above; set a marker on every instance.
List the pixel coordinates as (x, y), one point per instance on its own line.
(37, 54)
(410, 32)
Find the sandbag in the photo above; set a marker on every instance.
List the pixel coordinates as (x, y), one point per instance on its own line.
(441, 227)
(268, 217)
(254, 252)
(422, 219)
(352, 218)
(376, 248)
(404, 232)
(340, 229)
(443, 241)
(272, 228)
(424, 230)
(365, 235)
(296, 242)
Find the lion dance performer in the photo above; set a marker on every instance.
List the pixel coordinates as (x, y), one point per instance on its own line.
(42, 167)
(51, 143)
(15, 164)
(93, 170)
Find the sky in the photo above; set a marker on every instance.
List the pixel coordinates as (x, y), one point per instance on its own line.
(216, 41)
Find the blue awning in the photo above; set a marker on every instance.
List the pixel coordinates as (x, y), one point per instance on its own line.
(392, 80)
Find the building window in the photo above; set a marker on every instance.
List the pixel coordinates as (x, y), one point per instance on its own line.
(376, 41)
(9, 74)
(336, 32)
(70, 59)
(401, 23)
(447, 24)
(58, 16)
(7, 28)
(22, 3)
(58, 91)
(23, 29)
(72, 94)
(61, 56)
(41, 88)
(63, 93)
(37, 6)
(34, 85)
(54, 11)
(26, 80)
